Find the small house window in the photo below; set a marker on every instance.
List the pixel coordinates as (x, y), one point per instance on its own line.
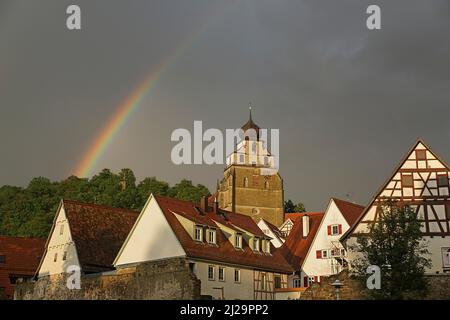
(237, 275)
(212, 236)
(221, 274)
(334, 230)
(267, 246)
(256, 244)
(65, 256)
(297, 283)
(61, 230)
(55, 257)
(2, 259)
(324, 254)
(198, 233)
(263, 281)
(442, 180)
(407, 180)
(211, 275)
(421, 154)
(238, 241)
(277, 282)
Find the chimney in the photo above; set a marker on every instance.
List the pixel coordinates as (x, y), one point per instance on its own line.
(204, 204)
(305, 223)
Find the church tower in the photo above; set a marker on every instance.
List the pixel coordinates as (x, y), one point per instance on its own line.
(251, 185)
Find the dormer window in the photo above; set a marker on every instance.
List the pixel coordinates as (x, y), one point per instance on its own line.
(267, 246)
(198, 233)
(255, 244)
(238, 241)
(212, 236)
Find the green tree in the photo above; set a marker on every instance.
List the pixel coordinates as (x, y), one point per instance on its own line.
(394, 244)
(290, 207)
(185, 190)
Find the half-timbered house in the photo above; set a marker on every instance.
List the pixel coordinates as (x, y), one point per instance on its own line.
(421, 180)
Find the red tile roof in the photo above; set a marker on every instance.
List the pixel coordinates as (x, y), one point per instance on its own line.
(22, 256)
(350, 211)
(294, 215)
(98, 232)
(295, 248)
(224, 252)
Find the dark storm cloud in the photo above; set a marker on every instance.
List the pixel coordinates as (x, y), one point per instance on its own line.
(348, 101)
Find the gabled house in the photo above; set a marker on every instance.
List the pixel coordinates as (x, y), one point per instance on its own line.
(326, 255)
(421, 180)
(85, 235)
(277, 237)
(227, 251)
(19, 258)
(295, 250)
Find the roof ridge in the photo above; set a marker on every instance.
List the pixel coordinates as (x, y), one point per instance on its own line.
(348, 202)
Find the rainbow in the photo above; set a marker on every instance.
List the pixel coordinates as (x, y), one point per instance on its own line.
(130, 104)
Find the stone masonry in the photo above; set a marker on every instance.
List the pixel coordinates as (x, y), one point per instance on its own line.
(169, 279)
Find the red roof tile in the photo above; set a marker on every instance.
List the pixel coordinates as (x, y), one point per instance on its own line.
(22, 256)
(224, 251)
(350, 211)
(98, 232)
(294, 215)
(296, 246)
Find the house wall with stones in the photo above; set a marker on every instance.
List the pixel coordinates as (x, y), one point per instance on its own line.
(157, 280)
(438, 288)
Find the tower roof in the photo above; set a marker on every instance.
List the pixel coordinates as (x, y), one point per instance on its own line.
(250, 125)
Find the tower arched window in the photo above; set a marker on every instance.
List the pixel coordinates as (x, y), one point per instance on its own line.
(245, 182)
(266, 185)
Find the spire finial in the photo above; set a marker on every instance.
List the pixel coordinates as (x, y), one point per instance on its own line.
(250, 109)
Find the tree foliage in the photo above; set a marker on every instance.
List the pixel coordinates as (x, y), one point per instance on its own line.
(30, 211)
(290, 207)
(394, 244)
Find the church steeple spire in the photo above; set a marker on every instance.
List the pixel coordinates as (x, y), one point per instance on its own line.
(250, 125)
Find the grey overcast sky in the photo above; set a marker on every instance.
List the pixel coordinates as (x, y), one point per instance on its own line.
(349, 102)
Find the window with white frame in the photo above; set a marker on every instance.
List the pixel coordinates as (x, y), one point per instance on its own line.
(267, 246)
(237, 275)
(334, 229)
(255, 244)
(297, 283)
(211, 273)
(263, 281)
(212, 236)
(198, 233)
(238, 240)
(324, 253)
(445, 257)
(221, 274)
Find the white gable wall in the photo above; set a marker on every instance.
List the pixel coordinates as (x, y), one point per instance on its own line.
(276, 241)
(57, 245)
(151, 238)
(314, 266)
